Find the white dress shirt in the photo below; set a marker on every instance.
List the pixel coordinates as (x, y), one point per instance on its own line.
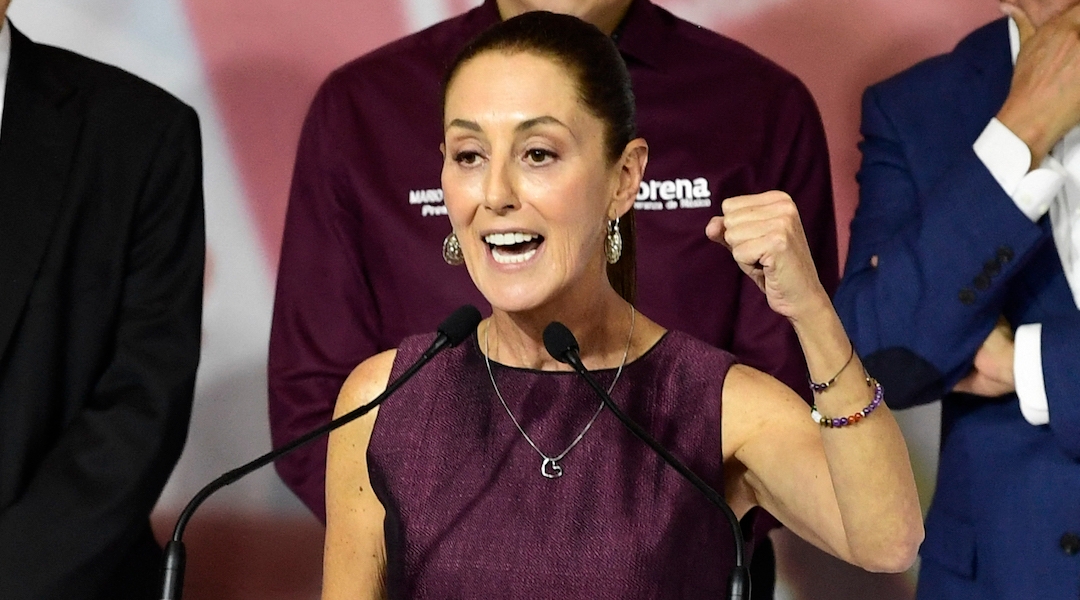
(5, 59)
(1052, 188)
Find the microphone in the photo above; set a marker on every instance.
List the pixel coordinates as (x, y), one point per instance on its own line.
(563, 347)
(458, 326)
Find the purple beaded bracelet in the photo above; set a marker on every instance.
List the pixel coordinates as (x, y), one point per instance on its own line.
(879, 395)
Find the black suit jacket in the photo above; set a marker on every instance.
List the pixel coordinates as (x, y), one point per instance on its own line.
(101, 266)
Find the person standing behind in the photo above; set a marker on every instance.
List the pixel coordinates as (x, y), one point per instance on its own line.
(361, 260)
(963, 281)
(101, 259)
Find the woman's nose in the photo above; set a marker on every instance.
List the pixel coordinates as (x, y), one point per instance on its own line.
(499, 193)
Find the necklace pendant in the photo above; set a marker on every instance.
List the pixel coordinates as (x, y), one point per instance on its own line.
(555, 471)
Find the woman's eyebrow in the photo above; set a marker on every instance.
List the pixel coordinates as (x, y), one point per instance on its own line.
(522, 126)
(544, 120)
(464, 124)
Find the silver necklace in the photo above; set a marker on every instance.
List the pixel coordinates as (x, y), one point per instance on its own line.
(550, 466)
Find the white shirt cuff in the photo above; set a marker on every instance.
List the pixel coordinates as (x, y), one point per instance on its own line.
(1071, 159)
(1008, 159)
(1028, 374)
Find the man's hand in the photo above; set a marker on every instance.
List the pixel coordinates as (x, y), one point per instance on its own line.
(1044, 97)
(992, 374)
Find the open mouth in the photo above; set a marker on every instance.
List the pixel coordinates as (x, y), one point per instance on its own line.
(514, 247)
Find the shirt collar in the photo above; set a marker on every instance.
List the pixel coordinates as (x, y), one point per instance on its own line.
(633, 36)
(486, 15)
(636, 36)
(5, 60)
(1014, 40)
(639, 33)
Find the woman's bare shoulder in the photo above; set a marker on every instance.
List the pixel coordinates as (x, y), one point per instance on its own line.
(366, 381)
(753, 402)
(744, 381)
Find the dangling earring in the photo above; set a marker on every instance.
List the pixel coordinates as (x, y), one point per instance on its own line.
(451, 250)
(613, 242)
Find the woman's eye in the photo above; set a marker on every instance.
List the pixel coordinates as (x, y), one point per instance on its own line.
(539, 156)
(467, 158)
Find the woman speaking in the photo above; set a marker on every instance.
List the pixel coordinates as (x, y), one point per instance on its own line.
(496, 473)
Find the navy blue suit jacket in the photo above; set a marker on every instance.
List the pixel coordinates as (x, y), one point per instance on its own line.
(953, 253)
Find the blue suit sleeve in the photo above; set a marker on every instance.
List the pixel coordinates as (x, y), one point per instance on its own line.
(1060, 340)
(934, 242)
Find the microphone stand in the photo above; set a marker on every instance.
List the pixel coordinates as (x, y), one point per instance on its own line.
(739, 582)
(452, 332)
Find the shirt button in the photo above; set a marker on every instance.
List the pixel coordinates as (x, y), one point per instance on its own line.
(1004, 254)
(982, 281)
(967, 296)
(991, 268)
(1070, 543)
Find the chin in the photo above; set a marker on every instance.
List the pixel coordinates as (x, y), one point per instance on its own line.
(513, 297)
(513, 303)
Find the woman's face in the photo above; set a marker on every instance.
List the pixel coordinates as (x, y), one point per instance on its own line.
(526, 180)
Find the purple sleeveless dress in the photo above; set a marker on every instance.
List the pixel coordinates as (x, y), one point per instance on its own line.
(469, 514)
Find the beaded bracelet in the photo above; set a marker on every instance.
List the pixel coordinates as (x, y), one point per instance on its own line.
(879, 395)
(821, 387)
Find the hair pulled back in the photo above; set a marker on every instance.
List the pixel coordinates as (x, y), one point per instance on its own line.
(603, 86)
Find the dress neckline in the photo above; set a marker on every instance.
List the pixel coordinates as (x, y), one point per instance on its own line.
(474, 344)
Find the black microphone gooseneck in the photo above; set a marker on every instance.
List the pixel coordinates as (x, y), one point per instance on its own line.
(563, 347)
(458, 326)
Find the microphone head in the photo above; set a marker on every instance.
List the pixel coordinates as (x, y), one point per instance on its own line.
(559, 341)
(460, 324)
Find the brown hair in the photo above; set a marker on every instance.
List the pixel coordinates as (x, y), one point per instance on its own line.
(603, 84)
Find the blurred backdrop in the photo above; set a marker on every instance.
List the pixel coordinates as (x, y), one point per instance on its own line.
(250, 68)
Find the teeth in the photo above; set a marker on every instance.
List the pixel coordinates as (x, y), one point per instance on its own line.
(509, 239)
(511, 259)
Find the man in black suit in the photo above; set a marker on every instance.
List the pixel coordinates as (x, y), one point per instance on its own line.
(101, 267)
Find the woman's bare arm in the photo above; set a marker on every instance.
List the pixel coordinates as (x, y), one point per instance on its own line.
(850, 489)
(354, 559)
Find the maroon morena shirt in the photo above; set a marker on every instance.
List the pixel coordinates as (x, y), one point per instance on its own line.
(361, 260)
